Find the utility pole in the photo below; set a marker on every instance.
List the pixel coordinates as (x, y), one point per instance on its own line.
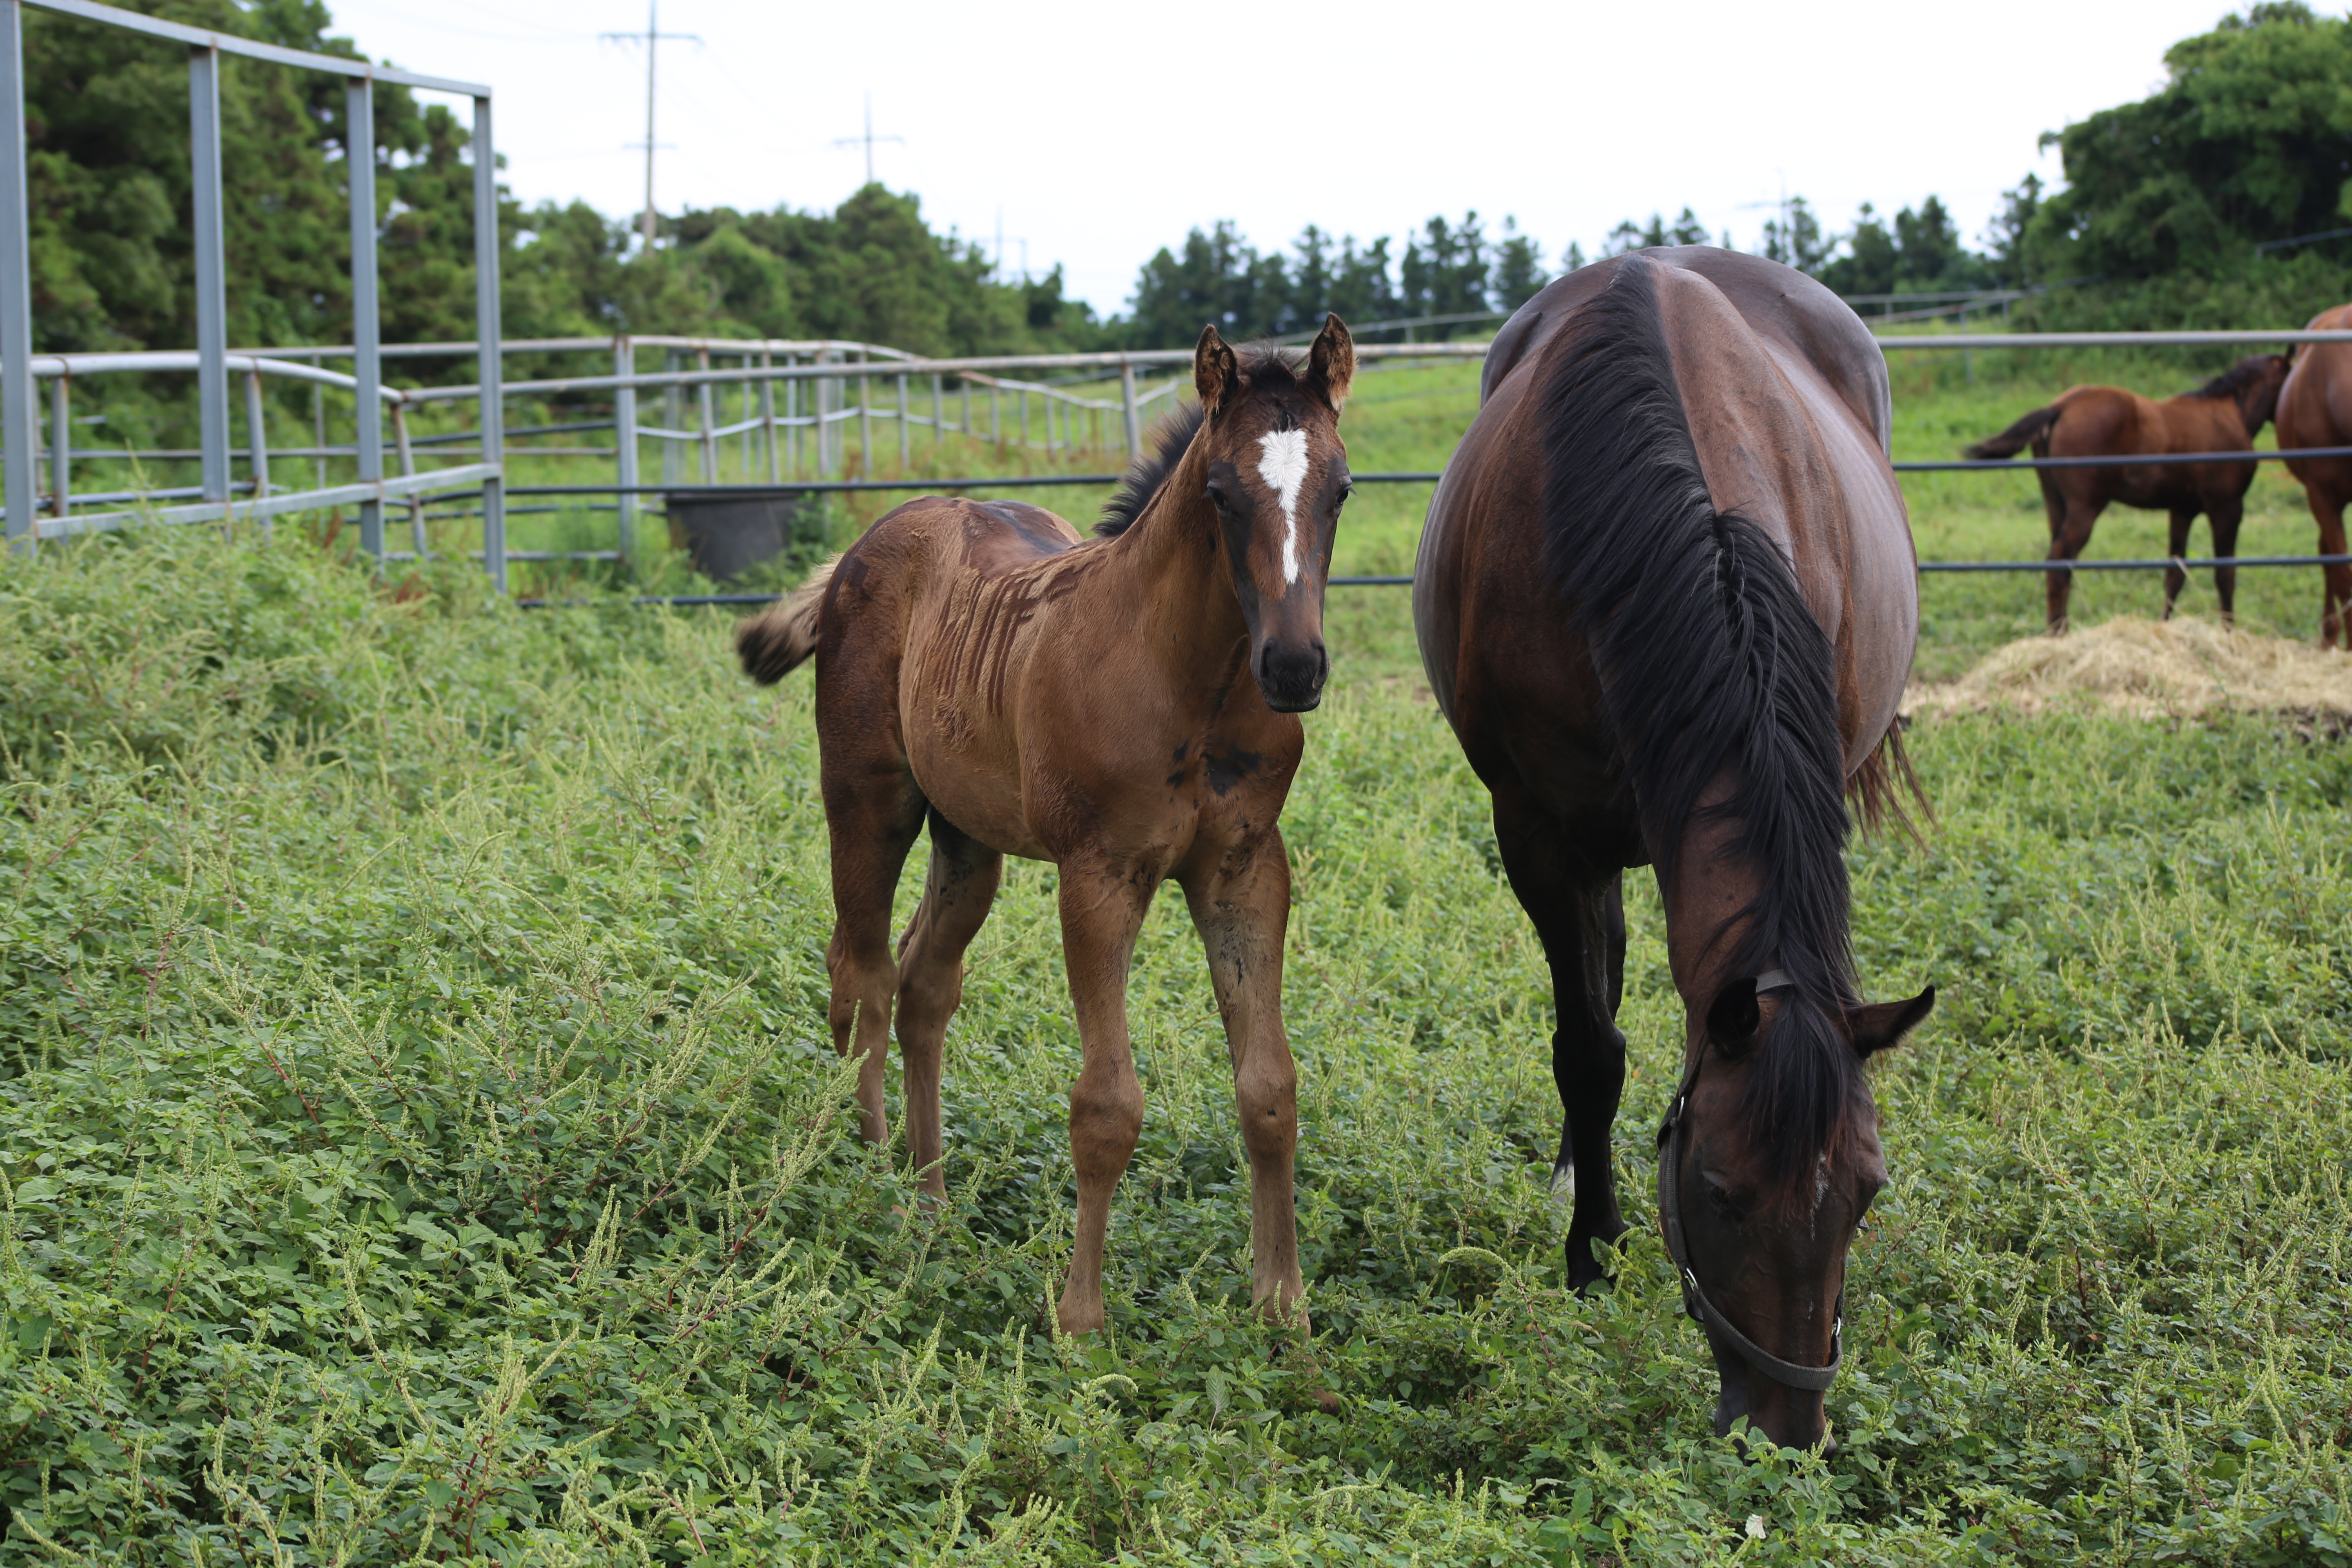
(650, 38)
(867, 140)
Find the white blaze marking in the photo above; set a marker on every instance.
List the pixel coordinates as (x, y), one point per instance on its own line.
(1285, 468)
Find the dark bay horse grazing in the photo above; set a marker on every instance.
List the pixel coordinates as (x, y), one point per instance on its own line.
(1123, 706)
(2315, 409)
(1666, 596)
(2224, 415)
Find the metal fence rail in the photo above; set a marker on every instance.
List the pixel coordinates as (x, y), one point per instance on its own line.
(19, 432)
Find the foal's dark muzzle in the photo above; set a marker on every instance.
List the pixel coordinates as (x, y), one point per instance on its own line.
(1291, 673)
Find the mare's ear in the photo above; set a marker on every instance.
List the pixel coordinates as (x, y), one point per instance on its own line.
(1214, 370)
(1331, 362)
(1883, 1024)
(1733, 1016)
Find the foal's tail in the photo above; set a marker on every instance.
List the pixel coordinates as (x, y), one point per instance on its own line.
(2034, 428)
(778, 639)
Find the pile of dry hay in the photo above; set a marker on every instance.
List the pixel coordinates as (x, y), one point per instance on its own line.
(2151, 670)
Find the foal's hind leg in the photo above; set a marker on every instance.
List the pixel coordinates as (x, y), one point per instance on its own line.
(957, 893)
(1580, 914)
(874, 812)
(1241, 909)
(2226, 516)
(2177, 548)
(2067, 538)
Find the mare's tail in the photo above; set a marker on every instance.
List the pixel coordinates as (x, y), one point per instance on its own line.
(2034, 428)
(778, 640)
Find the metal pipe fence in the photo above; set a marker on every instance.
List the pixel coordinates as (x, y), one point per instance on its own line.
(19, 433)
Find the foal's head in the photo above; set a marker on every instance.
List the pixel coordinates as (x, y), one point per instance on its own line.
(1278, 474)
(2254, 383)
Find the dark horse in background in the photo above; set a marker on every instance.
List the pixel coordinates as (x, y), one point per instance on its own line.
(2224, 415)
(1666, 596)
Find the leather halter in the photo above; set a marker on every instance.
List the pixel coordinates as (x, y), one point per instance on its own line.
(1812, 1379)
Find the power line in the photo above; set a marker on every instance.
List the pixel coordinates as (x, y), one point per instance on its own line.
(650, 38)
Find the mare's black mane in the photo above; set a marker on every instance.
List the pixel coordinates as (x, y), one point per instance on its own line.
(1265, 371)
(1709, 660)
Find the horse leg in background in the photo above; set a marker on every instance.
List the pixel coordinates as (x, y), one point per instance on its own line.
(1579, 916)
(2334, 581)
(1241, 911)
(874, 819)
(1102, 912)
(2177, 548)
(2067, 538)
(2226, 514)
(957, 893)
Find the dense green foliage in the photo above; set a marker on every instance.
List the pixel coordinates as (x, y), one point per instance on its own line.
(416, 1135)
(1446, 269)
(108, 132)
(2249, 140)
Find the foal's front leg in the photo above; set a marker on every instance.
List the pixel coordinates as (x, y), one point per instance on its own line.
(1241, 909)
(1102, 912)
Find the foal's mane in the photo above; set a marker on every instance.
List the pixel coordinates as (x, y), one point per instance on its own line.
(1708, 659)
(1265, 371)
(2234, 380)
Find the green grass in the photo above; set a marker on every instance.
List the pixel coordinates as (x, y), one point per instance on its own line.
(418, 1139)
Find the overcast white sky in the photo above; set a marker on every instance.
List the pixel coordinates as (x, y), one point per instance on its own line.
(1097, 133)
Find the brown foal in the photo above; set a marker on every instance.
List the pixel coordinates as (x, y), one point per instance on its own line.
(1122, 705)
(2225, 414)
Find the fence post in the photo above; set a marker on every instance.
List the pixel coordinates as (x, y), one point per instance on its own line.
(864, 421)
(257, 444)
(488, 337)
(19, 412)
(1134, 415)
(415, 501)
(832, 392)
(212, 287)
(673, 415)
(768, 414)
(624, 442)
(706, 398)
(939, 415)
(367, 358)
(905, 460)
(964, 384)
(60, 445)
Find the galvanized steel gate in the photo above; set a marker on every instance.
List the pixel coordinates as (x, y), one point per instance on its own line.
(19, 411)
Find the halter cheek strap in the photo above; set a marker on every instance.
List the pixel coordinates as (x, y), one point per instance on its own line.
(1812, 1379)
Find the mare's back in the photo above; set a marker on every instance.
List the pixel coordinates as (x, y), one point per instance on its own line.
(1797, 314)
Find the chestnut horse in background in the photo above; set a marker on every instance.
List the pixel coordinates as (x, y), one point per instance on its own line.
(2224, 415)
(2316, 410)
(1667, 597)
(1123, 706)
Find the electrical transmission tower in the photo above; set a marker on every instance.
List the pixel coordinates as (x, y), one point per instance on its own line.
(651, 37)
(867, 140)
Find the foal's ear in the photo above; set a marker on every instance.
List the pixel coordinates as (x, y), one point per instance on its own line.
(1880, 1025)
(1214, 371)
(1331, 362)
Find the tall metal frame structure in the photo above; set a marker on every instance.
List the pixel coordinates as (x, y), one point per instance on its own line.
(19, 414)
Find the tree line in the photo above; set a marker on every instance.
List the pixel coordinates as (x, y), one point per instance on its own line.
(2248, 143)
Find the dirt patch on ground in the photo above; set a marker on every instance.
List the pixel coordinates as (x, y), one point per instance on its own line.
(2182, 669)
